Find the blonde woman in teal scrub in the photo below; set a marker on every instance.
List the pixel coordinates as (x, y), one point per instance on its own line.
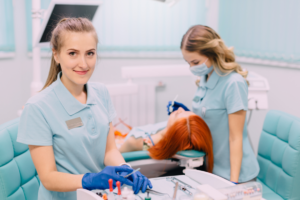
(221, 99)
(67, 125)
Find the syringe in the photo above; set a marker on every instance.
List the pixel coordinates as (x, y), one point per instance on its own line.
(119, 197)
(110, 195)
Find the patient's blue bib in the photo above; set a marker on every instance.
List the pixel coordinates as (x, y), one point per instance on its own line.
(214, 101)
(141, 131)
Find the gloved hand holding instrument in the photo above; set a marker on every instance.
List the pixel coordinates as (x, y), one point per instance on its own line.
(140, 182)
(91, 181)
(174, 105)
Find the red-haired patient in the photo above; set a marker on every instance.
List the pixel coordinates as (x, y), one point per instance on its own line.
(183, 130)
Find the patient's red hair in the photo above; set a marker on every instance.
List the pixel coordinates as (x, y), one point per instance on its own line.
(178, 138)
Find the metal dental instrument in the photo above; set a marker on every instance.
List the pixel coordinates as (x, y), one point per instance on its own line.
(132, 172)
(175, 191)
(156, 193)
(171, 106)
(172, 179)
(182, 188)
(139, 196)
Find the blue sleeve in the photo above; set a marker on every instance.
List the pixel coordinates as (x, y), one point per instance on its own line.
(109, 105)
(33, 127)
(236, 96)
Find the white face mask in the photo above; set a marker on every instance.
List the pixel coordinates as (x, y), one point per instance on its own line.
(201, 70)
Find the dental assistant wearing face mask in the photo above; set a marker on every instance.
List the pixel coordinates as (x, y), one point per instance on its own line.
(221, 100)
(68, 124)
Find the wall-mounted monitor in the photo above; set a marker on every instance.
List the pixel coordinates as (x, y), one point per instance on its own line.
(63, 8)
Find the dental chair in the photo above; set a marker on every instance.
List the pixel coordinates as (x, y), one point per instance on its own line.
(279, 156)
(18, 177)
(153, 168)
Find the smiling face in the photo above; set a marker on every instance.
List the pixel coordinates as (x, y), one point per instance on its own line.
(194, 58)
(178, 115)
(77, 57)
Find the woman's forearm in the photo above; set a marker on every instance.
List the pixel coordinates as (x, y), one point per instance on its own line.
(44, 162)
(62, 182)
(236, 125)
(113, 158)
(236, 156)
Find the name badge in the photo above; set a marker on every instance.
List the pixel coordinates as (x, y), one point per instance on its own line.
(73, 123)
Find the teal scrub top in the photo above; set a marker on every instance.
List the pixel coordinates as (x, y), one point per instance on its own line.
(214, 100)
(78, 150)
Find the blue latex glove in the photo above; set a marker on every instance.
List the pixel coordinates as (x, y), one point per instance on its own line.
(175, 107)
(140, 182)
(91, 181)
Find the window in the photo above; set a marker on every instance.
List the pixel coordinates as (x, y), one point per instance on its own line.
(146, 25)
(7, 42)
(266, 29)
(139, 26)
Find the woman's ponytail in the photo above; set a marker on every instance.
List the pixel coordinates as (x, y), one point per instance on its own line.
(53, 72)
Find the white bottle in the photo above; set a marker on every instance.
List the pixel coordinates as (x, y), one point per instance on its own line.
(131, 197)
(111, 196)
(126, 192)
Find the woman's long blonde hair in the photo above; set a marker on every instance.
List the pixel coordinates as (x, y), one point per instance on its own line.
(207, 42)
(56, 42)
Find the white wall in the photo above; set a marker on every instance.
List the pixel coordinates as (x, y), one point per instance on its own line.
(284, 95)
(16, 78)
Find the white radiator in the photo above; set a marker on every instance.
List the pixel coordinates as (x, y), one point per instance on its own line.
(134, 103)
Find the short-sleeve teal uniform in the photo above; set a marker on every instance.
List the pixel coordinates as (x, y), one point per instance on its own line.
(214, 100)
(78, 150)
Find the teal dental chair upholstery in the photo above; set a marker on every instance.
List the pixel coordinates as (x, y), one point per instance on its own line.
(140, 155)
(279, 156)
(18, 177)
